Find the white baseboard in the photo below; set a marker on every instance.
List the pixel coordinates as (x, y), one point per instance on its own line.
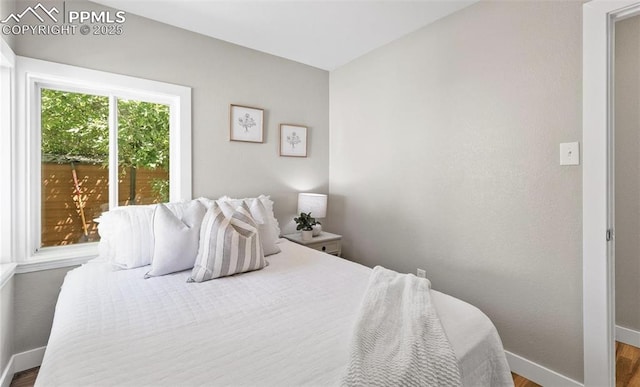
(628, 336)
(20, 362)
(7, 374)
(537, 373)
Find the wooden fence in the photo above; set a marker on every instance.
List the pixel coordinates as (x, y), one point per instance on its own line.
(61, 220)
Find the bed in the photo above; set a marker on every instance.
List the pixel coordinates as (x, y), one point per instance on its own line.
(288, 324)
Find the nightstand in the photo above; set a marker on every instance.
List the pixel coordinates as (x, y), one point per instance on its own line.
(325, 242)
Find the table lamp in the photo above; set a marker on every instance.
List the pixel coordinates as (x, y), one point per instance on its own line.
(313, 203)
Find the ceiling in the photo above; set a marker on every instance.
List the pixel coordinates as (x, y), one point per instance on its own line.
(323, 34)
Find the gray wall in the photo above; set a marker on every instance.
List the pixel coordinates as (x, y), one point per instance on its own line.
(220, 74)
(627, 149)
(445, 156)
(36, 295)
(6, 323)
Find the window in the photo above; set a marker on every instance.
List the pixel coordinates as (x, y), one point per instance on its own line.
(89, 141)
(77, 156)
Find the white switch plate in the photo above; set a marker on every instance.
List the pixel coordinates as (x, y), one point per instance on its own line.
(570, 153)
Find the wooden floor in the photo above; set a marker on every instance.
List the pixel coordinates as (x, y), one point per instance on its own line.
(25, 378)
(519, 381)
(627, 371)
(627, 365)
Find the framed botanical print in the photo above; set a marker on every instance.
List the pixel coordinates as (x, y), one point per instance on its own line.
(247, 124)
(293, 140)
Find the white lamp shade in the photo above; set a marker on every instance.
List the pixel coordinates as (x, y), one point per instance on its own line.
(316, 204)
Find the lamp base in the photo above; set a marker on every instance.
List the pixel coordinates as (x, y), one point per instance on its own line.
(317, 230)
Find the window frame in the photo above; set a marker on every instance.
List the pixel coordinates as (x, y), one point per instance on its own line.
(33, 75)
(7, 116)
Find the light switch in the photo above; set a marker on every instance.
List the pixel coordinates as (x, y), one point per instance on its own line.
(570, 153)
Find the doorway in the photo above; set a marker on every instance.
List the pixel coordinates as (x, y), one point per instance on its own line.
(626, 144)
(599, 18)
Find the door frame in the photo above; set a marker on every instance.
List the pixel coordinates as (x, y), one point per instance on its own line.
(599, 17)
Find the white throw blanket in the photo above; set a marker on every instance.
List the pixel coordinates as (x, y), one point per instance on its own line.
(398, 339)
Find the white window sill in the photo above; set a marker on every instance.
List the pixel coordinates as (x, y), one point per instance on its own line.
(59, 257)
(6, 272)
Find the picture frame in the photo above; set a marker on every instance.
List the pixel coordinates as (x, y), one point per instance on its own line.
(293, 140)
(246, 124)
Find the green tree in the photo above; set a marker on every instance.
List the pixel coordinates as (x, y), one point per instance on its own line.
(75, 127)
(143, 139)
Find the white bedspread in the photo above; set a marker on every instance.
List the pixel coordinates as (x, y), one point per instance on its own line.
(288, 324)
(397, 338)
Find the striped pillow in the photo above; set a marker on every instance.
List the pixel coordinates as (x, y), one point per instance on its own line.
(268, 236)
(227, 246)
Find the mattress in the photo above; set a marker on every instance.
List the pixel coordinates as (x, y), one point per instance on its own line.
(288, 324)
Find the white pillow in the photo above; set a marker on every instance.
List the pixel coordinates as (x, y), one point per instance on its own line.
(268, 204)
(268, 234)
(126, 234)
(227, 246)
(208, 203)
(176, 239)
